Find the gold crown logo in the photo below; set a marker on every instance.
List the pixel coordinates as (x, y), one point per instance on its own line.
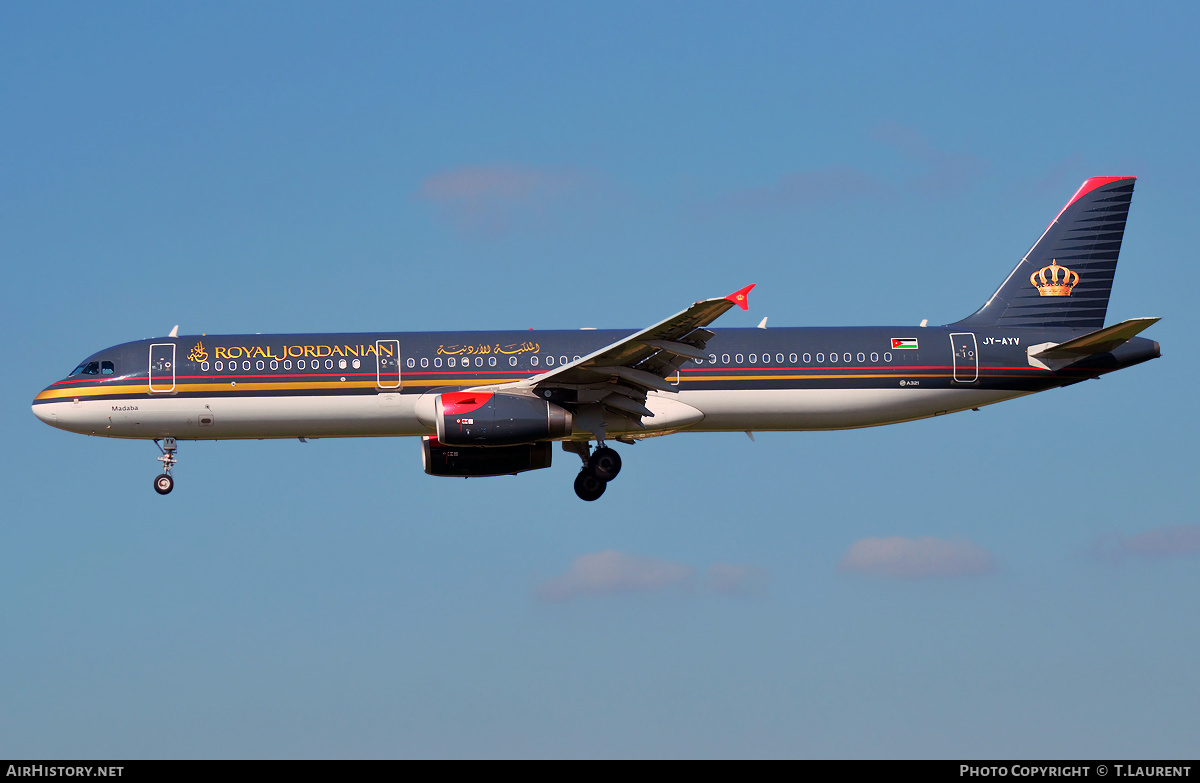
(1054, 280)
(198, 353)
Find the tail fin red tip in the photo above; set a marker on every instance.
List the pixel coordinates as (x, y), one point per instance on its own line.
(740, 298)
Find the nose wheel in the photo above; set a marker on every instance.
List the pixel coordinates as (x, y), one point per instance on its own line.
(163, 483)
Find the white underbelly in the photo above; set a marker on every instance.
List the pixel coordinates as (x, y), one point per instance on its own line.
(829, 409)
(348, 416)
(205, 418)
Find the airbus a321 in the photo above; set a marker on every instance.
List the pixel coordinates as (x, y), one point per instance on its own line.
(493, 403)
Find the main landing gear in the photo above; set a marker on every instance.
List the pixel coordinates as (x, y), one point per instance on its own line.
(599, 468)
(163, 483)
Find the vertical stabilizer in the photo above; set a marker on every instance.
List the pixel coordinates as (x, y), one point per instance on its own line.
(1066, 277)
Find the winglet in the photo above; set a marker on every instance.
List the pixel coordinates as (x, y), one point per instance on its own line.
(739, 297)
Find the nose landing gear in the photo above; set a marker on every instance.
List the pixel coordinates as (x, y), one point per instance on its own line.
(599, 468)
(163, 483)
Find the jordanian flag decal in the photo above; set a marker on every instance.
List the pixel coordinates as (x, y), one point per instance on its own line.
(903, 343)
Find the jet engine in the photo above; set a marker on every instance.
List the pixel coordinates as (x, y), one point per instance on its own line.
(491, 420)
(469, 461)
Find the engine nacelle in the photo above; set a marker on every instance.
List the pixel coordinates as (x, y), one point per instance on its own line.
(470, 461)
(490, 420)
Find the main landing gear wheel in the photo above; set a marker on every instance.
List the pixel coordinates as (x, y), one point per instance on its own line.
(163, 484)
(588, 486)
(605, 463)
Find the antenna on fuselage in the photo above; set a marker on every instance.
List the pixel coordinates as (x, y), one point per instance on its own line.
(174, 331)
(763, 323)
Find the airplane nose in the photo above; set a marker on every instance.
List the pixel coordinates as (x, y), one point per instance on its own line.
(44, 413)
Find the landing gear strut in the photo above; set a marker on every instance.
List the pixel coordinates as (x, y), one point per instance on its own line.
(163, 483)
(599, 468)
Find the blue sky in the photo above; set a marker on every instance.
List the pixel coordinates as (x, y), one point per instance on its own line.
(310, 167)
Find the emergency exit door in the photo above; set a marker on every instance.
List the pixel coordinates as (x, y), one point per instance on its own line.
(387, 355)
(162, 368)
(966, 357)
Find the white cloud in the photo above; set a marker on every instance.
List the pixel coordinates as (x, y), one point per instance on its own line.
(1165, 541)
(916, 558)
(491, 199)
(608, 572)
(735, 579)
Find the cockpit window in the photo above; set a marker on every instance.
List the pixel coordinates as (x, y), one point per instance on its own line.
(93, 368)
(106, 368)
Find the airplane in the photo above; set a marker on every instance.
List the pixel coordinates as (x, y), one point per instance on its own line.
(492, 403)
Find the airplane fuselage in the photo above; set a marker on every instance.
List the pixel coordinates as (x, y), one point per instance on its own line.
(382, 384)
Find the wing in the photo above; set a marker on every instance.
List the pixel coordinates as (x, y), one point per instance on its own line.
(619, 375)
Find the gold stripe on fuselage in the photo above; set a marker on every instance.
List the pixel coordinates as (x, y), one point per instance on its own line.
(219, 387)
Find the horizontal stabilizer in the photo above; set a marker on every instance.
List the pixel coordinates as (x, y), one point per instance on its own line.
(1099, 341)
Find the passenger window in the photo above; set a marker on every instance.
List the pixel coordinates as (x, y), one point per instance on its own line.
(512, 361)
(724, 358)
(300, 364)
(792, 358)
(533, 360)
(451, 362)
(491, 361)
(356, 363)
(412, 363)
(329, 364)
(424, 362)
(820, 358)
(753, 358)
(862, 358)
(562, 360)
(549, 361)
(287, 364)
(106, 368)
(259, 365)
(478, 361)
(738, 358)
(246, 365)
(437, 362)
(874, 357)
(887, 357)
(712, 358)
(779, 358)
(274, 365)
(204, 366)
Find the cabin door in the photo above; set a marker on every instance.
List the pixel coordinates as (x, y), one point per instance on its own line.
(387, 373)
(966, 357)
(162, 368)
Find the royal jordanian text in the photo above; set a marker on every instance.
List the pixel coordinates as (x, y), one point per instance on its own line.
(50, 771)
(290, 351)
